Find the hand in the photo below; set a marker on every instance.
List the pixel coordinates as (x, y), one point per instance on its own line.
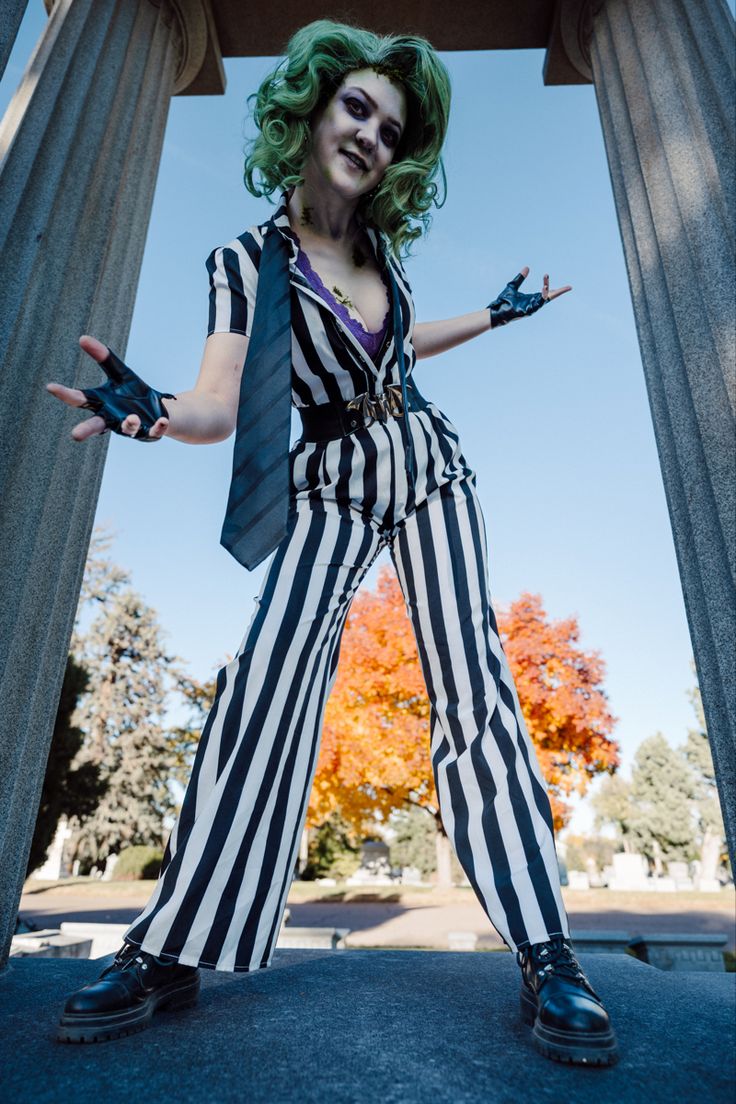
(512, 303)
(125, 404)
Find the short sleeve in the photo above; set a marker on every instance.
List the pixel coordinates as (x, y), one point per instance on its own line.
(233, 273)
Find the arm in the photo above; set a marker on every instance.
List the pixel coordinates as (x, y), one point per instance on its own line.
(208, 412)
(431, 338)
(203, 415)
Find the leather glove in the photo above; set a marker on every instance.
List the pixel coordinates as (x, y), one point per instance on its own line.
(125, 393)
(512, 303)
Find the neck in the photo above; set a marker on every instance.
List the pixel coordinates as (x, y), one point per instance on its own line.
(318, 214)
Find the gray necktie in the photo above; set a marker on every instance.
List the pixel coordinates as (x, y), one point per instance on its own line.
(257, 506)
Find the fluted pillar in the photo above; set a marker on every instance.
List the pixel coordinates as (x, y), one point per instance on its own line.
(664, 79)
(79, 153)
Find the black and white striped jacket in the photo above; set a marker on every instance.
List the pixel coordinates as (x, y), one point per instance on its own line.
(328, 362)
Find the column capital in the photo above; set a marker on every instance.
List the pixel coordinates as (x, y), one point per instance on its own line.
(193, 35)
(567, 60)
(200, 71)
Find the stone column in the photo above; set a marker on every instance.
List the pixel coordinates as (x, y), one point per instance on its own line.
(664, 79)
(79, 153)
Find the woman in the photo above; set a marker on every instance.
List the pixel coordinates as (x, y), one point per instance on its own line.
(351, 128)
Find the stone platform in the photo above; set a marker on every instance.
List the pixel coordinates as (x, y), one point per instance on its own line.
(357, 1027)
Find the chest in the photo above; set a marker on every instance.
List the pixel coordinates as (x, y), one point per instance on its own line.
(359, 289)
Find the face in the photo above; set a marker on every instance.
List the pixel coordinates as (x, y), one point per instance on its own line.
(354, 139)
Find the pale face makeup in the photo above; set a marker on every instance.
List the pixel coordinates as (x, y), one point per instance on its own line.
(355, 137)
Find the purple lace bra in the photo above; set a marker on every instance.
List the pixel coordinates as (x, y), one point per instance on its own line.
(371, 340)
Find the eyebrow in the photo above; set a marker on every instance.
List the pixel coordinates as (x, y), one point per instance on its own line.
(374, 105)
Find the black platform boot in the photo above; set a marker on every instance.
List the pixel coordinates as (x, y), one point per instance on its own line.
(125, 997)
(570, 1022)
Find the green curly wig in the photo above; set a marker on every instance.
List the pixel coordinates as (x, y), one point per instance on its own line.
(318, 57)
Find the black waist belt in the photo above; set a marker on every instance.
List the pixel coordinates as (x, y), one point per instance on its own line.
(330, 420)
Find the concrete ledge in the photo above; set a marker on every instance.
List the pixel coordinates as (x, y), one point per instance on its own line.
(363, 1027)
(50, 943)
(682, 953)
(600, 942)
(105, 938)
(327, 939)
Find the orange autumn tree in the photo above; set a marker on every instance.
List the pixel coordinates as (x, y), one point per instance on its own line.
(561, 696)
(374, 755)
(375, 745)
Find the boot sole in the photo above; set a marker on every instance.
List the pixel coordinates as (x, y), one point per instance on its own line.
(100, 1027)
(575, 1047)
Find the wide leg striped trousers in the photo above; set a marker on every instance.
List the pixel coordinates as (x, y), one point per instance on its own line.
(230, 858)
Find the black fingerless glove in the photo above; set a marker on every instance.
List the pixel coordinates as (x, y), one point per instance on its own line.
(125, 393)
(512, 303)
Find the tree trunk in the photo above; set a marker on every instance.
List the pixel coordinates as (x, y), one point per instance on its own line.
(444, 857)
(303, 851)
(710, 854)
(657, 851)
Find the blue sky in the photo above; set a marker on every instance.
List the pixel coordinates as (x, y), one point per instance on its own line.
(552, 410)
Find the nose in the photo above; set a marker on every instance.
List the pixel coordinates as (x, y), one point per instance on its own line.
(366, 139)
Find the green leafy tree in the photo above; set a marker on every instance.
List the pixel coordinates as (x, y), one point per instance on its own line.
(582, 852)
(122, 714)
(334, 851)
(414, 843)
(710, 832)
(613, 805)
(184, 738)
(65, 791)
(662, 790)
(102, 578)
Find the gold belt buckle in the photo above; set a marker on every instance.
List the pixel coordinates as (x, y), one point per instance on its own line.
(379, 407)
(394, 401)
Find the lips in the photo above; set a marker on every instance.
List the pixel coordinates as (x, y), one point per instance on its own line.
(355, 160)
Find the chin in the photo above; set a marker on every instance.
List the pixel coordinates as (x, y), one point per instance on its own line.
(348, 189)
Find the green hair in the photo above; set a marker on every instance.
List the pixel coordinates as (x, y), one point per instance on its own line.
(318, 57)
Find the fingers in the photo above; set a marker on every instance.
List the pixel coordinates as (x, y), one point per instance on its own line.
(115, 369)
(546, 293)
(130, 425)
(93, 347)
(158, 429)
(72, 396)
(559, 291)
(111, 364)
(88, 428)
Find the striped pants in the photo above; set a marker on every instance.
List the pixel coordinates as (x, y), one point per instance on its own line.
(230, 858)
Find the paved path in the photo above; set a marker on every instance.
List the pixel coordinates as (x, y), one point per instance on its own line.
(395, 924)
(387, 925)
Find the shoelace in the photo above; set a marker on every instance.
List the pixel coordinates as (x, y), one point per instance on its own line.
(126, 957)
(558, 956)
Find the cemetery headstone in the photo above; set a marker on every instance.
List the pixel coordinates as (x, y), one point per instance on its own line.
(630, 872)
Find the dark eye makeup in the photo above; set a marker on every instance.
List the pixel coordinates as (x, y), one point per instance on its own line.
(358, 108)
